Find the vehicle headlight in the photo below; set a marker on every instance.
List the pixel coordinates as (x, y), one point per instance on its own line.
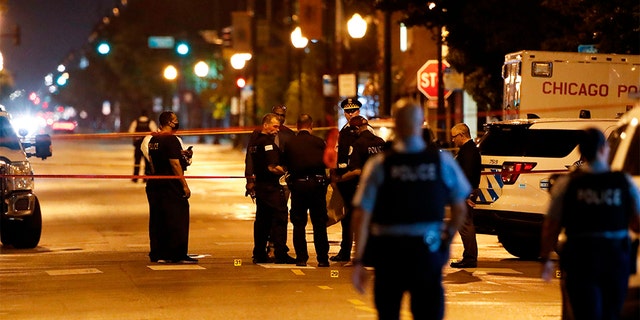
(24, 181)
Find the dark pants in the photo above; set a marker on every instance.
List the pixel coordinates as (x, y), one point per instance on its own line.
(137, 160)
(312, 196)
(595, 275)
(168, 220)
(468, 237)
(347, 191)
(421, 276)
(271, 220)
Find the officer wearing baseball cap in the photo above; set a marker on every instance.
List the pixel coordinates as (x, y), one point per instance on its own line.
(347, 136)
(364, 147)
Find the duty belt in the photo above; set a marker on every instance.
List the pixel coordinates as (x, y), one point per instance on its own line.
(430, 231)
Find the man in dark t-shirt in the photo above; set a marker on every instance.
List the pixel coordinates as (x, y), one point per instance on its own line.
(168, 198)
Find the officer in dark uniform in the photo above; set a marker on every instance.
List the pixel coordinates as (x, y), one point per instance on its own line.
(399, 212)
(271, 207)
(308, 185)
(364, 147)
(347, 136)
(142, 124)
(168, 197)
(596, 208)
(285, 134)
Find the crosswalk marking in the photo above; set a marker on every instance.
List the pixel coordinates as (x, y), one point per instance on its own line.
(170, 267)
(64, 272)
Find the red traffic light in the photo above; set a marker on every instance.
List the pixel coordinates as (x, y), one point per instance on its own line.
(240, 82)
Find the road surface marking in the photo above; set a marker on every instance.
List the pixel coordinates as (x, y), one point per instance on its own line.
(64, 272)
(297, 272)
(175, 267)
(282, 266)
(495, 271)
(357, 302)
(325, 287)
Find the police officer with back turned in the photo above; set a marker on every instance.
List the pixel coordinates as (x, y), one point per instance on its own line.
(596, 207)
(399, 212)
(308, 185)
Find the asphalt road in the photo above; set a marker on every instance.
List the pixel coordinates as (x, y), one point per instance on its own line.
(92, 259)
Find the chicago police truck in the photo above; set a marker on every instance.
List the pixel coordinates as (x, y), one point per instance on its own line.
(561, 84)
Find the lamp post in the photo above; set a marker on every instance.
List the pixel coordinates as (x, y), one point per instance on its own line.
(357, 28)
(299, 42)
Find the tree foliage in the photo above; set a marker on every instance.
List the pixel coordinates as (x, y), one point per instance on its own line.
(482, 32)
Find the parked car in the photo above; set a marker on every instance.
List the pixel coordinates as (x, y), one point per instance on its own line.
(518, 158)
(20, 215)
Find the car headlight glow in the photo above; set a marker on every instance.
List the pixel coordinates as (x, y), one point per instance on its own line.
(25, 179)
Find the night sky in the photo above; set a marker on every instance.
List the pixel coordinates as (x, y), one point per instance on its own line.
(51, 29)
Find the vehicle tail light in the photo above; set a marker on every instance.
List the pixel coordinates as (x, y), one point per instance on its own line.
(512, 170)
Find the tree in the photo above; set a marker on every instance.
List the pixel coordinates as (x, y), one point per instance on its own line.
(482, 32)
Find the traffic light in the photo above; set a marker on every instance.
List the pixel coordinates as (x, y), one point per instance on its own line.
(241, 82)
(182, 48)
(103, 48)
(226, 37)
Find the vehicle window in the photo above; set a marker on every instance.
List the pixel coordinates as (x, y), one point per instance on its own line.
(8, 137)
(632, 160)
(524, 142)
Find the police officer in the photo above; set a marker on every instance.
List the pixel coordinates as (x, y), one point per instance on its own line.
(399, 212)
(168, 197)
(366, 145)
(141, 124)
(285, 134)
(347, 136)
(596, 208)
(308, 185)
(271, 207)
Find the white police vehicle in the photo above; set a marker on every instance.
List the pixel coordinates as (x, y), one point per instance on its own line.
(518, 157)
(20, 216)
(625, 156)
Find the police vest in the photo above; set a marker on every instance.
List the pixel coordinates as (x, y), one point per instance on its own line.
(367, 145)
(142, 125)
(595, 205)
(412, 191)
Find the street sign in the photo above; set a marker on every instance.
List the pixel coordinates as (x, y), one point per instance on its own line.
(427, 78)
(161, 42)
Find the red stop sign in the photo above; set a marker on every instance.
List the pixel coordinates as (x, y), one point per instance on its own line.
(428, 79)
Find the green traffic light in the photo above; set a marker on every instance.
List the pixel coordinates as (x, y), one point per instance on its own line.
(103, 48)
(182, 49)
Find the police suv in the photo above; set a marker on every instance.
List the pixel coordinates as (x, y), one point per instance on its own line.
(20, 216)
(625, 156)
(518, 158)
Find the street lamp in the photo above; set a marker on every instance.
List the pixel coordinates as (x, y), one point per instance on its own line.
(299, 42)
(201, 69)
(357, 28)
